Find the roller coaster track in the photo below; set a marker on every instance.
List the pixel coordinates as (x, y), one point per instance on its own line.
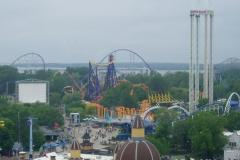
(174, 107)
(228, 104)
(28, 54)
(80, 88)
(130, 51)
(219, 107)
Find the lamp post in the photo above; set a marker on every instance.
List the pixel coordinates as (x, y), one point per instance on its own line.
(30, 124)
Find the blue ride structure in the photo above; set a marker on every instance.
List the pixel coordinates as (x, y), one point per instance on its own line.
(93, 91)
(111, 75)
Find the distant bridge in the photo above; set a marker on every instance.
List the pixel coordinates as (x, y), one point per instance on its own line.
(232, 60)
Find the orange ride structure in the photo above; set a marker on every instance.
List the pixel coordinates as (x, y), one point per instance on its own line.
(121, 112)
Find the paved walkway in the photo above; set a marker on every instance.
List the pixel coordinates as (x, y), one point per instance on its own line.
(100, 137)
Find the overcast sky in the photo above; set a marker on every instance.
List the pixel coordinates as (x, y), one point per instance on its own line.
(82, 30)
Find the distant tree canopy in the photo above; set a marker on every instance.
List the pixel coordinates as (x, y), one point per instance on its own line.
(227, 82)
(232, 122)
(201, 136)
(119, 96)
(206, 135)
(8, 76)
(193, 135)
(176, 84)
(46, 116)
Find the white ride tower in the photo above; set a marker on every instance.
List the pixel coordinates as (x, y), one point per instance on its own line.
(196, 49)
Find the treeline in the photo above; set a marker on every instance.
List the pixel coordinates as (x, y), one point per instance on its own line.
(225, 82)
(174, 83)
(47, 115)
(200, 136)
(15, 118)
(9, 75)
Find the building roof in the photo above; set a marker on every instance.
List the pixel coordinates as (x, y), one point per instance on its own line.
(48, 132)
(75, 145)
(137, 150)
(138, 122)
(87, 144)
(227, 133)
(86, 136)
(118, 146)
(60, 156)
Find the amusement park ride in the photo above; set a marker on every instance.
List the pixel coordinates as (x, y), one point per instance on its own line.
(93, 92)
(93, 88)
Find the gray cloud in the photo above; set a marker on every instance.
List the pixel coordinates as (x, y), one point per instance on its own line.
(82, 30)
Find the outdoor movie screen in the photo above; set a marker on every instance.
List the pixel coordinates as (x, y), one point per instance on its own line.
(32, 92)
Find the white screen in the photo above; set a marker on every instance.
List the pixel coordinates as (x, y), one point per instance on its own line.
(32, 92)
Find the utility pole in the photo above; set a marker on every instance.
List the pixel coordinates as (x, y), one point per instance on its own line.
(30, 123)
(19, 128)
(7, 88)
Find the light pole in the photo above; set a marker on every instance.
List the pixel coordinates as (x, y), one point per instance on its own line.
(30, 123)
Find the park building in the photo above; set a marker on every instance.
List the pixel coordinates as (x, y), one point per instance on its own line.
(137, 148)
(75, 151)
(138, 130)
(86, 145)
(232, 149)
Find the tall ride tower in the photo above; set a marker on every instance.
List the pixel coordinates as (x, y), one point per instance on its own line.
(93, 84)
(111, 75)
(196, 16)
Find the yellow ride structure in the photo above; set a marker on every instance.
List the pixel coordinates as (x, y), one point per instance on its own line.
(121, 112)
(158, 98)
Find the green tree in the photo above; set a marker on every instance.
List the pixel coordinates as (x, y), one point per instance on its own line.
(206, 135)
(139, 93)
(137, 78)
(177, 79)
(58, 82)
(7, 135)
(157, 83)
(119, 96)
(8, 75)
(46, 115)
(163, 136)
(202, 102)
(181, 141)
(55, 99)
(179, 93)
(166, 119)
(232, 121)
(162, 144)
(72, 98)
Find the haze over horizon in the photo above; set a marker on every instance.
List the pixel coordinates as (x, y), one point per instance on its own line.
(77, 31)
